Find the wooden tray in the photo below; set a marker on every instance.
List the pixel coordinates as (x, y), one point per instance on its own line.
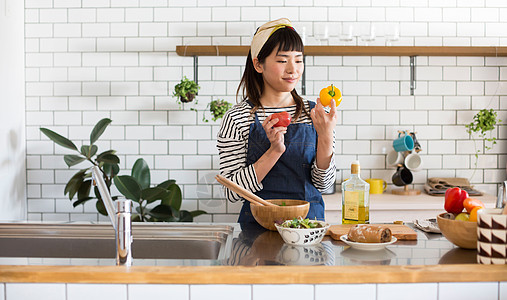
(401, 232)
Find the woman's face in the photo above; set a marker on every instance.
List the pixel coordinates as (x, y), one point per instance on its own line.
(281, 71)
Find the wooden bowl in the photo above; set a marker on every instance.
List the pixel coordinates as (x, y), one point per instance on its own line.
(266, 216)
(461, 233)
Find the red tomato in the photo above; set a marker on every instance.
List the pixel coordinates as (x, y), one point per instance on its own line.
(283, 119)
(454, 198)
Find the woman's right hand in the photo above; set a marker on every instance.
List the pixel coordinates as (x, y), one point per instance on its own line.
(274, 134)
(276, 137)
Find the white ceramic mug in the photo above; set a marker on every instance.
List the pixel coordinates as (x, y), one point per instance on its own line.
(414, 162)
(394, 158)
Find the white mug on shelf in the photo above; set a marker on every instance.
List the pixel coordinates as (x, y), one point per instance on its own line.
(414, 162)
(394, 158)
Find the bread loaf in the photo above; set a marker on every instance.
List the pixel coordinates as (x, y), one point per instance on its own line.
(363, 233)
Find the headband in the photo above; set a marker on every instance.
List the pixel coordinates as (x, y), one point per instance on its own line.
(264, 32)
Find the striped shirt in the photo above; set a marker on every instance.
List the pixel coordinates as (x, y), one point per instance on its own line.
(232, 144)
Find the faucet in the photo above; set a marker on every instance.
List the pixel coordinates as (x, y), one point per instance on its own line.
(120, 219)
(502, 195)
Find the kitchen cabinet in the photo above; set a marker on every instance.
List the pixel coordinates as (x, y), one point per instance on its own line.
(259, 263)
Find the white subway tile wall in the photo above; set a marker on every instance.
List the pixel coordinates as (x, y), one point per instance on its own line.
(87, 60)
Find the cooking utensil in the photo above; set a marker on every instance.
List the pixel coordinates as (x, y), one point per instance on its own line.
(243, 192)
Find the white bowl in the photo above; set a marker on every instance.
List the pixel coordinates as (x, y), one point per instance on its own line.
(313, 255)
(310, 236)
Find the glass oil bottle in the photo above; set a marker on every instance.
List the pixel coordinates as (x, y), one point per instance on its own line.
(355, 198)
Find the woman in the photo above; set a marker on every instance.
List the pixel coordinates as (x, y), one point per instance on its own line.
(294, 162)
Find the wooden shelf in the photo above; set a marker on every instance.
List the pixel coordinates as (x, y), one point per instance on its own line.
(411, 51)
(352, 51)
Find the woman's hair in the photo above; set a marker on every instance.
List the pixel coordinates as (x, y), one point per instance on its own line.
(252, 83)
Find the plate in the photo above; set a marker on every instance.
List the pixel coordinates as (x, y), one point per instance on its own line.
(367, 246)
(382, 256)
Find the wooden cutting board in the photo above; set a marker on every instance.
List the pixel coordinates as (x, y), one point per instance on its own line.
(401, 232)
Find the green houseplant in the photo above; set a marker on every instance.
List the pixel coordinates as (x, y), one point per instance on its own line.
(80, 184)
(186, 90)
(218, 108)
(135, 187)
(483, 123)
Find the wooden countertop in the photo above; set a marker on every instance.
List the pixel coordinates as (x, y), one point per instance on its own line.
(254, 275)
(269, 274)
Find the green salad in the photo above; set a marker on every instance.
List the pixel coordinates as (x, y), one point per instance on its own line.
(300, 223)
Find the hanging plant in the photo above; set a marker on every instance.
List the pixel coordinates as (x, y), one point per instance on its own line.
(218, 108)
(186, 90)
(483, 122)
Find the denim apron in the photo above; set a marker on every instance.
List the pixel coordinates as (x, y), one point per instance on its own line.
(290, 177)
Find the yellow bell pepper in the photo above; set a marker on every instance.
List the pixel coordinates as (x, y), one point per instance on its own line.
(328, 93)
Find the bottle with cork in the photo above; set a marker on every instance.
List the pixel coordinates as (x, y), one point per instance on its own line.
(355, 198)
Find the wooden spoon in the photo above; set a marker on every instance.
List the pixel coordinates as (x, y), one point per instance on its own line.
(243, 192)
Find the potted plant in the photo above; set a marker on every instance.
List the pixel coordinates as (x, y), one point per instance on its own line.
(186, 90)
(80, 185)
(482, 124)
(218, 108)
(136, 186)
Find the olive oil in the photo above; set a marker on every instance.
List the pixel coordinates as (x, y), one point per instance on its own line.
(355, 198)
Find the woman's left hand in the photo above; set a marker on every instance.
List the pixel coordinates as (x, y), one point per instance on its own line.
(324, 122)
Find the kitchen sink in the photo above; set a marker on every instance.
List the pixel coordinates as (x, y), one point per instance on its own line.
(151, 240)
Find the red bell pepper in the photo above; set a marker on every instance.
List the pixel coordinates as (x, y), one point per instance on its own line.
(454, 198)
(283, 119)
